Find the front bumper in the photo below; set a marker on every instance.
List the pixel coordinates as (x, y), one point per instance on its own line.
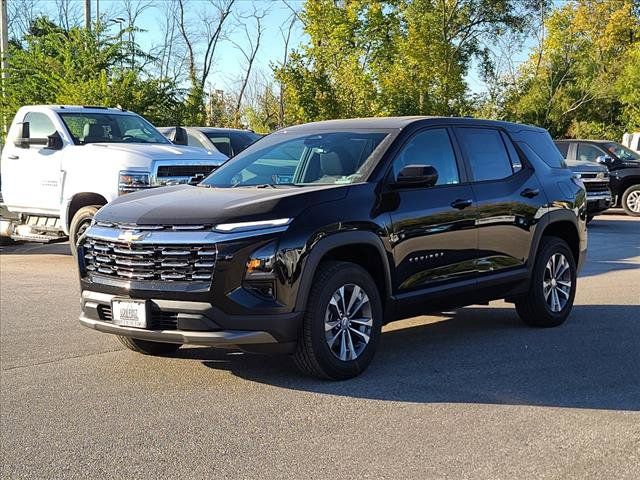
(598, 202)
(197, 323)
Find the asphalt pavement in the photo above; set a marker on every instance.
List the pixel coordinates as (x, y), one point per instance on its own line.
(467, 394)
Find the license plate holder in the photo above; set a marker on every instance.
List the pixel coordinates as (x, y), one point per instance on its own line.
(126, 312)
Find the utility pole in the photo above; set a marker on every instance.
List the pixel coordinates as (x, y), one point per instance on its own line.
(4, 53)
(87, 14)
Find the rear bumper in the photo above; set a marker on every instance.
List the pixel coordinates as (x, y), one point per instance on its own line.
(197, 323)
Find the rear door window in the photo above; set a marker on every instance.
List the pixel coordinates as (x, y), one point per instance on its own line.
(564, 148)
(588, 152)
(486, 152)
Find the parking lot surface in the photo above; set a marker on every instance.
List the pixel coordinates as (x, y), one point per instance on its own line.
(467, 394)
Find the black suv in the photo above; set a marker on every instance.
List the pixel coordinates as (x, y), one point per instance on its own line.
(311, 239)
(623, 165)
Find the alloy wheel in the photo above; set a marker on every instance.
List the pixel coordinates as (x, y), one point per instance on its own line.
(633, 201)
(557, 282)
(348, 322)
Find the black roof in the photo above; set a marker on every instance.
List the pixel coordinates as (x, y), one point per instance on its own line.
(402, 122)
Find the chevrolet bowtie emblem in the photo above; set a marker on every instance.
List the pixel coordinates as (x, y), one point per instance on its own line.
(130, 236)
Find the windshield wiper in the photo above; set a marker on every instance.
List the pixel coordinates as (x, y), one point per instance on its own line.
(266, 185)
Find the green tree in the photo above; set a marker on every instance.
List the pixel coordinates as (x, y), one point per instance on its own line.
(583, 80)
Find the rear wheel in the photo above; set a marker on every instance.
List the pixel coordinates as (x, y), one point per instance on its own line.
(149, 348)
(342, 322)
(552, 288)
(631, 200)
(79, 224)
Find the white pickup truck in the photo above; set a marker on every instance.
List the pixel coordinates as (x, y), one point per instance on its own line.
(60, 164)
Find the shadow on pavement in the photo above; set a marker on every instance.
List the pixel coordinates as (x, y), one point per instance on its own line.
(58, 248)
(482, 355)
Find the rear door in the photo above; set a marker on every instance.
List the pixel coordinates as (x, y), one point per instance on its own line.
(433, 228)
(509, 199)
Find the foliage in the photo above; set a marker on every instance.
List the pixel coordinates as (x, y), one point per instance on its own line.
(584, 79)
(76, 66)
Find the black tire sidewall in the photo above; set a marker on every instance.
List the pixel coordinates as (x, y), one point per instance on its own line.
(82, 215)
(334, 367)
(625, 195)
(552, 246)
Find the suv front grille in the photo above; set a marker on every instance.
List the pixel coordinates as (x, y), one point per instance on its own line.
(184, 170)
(168, 263)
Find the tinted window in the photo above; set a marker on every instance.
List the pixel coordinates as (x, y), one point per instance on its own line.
(240, 141)
(223, 144)
(430, 147)
(39, 125)
(564, 148)
(486, 152)
(542, 144)
(588, 153)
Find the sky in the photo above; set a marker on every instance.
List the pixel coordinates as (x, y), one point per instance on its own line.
(228, 61)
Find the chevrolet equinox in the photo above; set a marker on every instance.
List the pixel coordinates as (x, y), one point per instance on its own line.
(314, 237)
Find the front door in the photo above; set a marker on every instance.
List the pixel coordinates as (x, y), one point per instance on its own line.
(509, 198)
(433, 228)
(35, 171)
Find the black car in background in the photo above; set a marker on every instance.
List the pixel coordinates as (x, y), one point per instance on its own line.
(623, 165)
(596, 182)
(311, 239)
(229, 141)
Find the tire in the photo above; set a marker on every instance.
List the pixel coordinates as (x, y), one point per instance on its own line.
(533, 308)
(79, 223)
(314, 356)
(631, 201)
(149, 348)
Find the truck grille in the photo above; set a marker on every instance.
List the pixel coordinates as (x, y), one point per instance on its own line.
(169, 263)
(596, 187)
(184, 170)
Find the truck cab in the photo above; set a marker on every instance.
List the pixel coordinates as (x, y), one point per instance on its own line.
(60, 164)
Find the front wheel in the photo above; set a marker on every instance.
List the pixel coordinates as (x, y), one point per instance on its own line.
(342, 323)
(149, 348)
(552, 288)
(631, 200)
(79, 224)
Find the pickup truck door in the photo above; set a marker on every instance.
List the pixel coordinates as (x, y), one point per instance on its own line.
(32, 175)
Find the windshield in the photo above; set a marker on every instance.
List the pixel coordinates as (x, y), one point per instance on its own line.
(110, 128)
(622, 152)
(282, 158)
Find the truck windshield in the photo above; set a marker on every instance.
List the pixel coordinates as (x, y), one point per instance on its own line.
(110, 128)
(622, 152)
(327, 157)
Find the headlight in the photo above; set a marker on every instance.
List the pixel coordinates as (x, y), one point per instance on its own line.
(260, 271)
(132, 181)
(249, 226)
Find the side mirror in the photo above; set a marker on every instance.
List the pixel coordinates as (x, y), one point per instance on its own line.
(606, 159)
(54, 141)
(23, 140)
(180, 138)
(417, 176)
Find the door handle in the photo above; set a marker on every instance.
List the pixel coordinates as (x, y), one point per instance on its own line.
(13, 157)
(530, 192)
(461, 204)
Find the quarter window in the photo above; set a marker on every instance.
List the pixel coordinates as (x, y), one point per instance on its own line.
(430, 147)
(486, 153)
(40, 126)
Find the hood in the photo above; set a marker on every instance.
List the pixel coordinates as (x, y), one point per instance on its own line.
(577, 166)
(157, 151)
(191, 205)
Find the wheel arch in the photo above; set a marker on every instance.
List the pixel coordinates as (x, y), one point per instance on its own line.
(562, 224)
(362, 248)
(78, 201)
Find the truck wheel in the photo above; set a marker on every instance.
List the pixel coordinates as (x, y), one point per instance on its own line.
(341, 324)
(631, 200)
(149, 348)
(79, 223)
(552, 288)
